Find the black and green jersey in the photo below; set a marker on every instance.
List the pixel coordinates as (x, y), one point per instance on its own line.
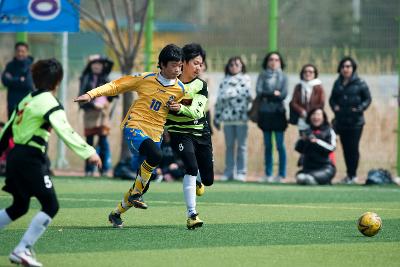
(33, 118)
(191, 117)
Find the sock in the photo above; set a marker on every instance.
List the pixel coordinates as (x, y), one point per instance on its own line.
(4, 219)
(142, 178)
(198, 178)
(124, 205)
(189, 192)
(35, 230)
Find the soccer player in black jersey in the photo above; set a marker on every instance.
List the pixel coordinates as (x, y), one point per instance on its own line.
(190, 132)
(27, 173)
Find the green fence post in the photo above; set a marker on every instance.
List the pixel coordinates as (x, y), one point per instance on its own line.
(21, 37)
(398, 107)
(273, 25)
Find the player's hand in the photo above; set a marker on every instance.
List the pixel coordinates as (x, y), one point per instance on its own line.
(83, 99)
(95, 160)
(174, 106)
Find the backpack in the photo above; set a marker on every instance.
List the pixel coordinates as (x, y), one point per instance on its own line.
(379, 177)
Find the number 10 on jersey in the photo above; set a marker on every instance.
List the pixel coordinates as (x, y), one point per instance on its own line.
(155, 104)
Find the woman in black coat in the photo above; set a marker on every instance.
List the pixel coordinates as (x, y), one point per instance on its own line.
(349, 99)
(317, 145)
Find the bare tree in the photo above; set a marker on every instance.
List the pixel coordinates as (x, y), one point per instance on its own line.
(124, 42)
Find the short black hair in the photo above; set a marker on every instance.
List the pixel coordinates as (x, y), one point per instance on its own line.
(47, 74)
(193, 50)
(170, 52)
(233, 59)
(347, 58)
(266, 59)
(18, 44)
(304, 68)
(309, 114)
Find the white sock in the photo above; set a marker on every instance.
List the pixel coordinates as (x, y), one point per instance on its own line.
(4, 219)
(198, 178)
(35, 230)
(189, 192)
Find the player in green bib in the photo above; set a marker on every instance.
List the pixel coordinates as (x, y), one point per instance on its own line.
(190, 132)
(27, 174)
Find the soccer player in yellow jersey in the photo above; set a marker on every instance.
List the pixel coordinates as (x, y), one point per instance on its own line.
(144, 123)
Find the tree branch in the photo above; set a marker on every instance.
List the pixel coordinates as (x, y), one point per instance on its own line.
(85, 13)
(106, 29)
(107, 42)
(139, 38)
(131, 23)
(117, 31)
(102, 24)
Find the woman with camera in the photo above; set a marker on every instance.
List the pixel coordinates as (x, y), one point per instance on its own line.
(317, 145)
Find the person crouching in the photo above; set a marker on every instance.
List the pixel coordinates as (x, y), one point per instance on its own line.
(317, 145)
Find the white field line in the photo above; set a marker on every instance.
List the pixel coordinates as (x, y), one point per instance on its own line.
(289, 206)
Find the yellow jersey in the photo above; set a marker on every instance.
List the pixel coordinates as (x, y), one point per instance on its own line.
(149, 112)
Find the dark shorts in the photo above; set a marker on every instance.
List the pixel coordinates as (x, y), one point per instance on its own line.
(27, 173)
(196, 153)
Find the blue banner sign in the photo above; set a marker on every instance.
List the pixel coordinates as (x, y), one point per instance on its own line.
(38, 16)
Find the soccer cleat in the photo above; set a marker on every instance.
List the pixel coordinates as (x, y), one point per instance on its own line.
(25, 257)
(137, 201)
(115, 220)
(194, 222)
(199, 188)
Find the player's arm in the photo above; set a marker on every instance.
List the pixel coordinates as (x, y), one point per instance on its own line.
(196, 110)
(72, 139)
(119, 86)
(325, 145)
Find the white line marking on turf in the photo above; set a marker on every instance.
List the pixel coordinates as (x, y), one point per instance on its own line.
(289, 206)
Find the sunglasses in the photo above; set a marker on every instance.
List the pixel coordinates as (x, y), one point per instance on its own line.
(234, 65)
(308, 71)
(347, 66)
(274, 59)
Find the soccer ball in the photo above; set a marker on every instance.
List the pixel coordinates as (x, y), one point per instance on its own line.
(369, 224)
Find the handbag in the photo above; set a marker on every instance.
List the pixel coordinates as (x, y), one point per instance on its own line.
(293, 115)
(255, 107)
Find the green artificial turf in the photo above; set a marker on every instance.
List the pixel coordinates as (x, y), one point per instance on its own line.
(245, 225)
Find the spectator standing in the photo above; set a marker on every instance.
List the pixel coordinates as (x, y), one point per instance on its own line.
(307, 95)
(17, 77)
(97, 111)
(271, 88)
(231, 109)
(317, 144)
(349, 99)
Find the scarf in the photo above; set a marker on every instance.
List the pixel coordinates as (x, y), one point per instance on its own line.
(307, 88)
(274, 78)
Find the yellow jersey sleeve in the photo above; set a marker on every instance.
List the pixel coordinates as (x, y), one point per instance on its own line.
(119, 86)
(185, 93)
